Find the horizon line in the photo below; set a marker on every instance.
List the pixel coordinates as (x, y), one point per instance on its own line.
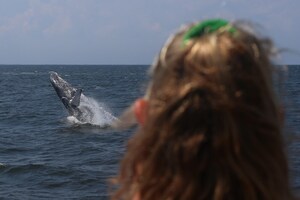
(108, 64)
(77, 64)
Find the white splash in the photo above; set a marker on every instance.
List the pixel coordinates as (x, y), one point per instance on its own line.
(93, 112)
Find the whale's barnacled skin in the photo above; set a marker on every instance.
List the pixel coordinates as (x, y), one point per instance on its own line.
(69, 95)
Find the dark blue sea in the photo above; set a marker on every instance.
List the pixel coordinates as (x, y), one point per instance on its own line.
(45, 156)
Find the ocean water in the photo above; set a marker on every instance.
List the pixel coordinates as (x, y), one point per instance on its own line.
(45, 155)
(42, 154)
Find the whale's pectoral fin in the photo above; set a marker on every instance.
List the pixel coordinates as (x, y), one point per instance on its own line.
(65, 101)
(75, 101)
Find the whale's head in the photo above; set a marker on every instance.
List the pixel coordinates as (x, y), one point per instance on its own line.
(62, 87)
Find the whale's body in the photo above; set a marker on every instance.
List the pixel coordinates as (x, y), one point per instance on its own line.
(70, 97)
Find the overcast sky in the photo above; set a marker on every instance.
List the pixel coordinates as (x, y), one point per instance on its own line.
(127, 31)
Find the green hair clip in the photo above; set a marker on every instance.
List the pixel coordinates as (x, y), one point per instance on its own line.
(208, 26)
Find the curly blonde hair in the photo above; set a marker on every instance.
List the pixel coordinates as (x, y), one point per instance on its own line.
(213, 128)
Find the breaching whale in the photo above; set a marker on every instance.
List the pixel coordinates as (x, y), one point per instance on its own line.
(71, 98)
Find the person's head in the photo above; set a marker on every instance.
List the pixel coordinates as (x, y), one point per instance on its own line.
(210, 124)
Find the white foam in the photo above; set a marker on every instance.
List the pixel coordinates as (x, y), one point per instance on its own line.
(73, 120)
(94, 113)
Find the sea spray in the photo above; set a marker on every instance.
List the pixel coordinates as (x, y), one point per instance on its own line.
(93, 112)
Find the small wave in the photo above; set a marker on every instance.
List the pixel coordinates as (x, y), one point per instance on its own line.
(28, 73)
(99, 88)
(19, 73)
(2, 165)
(15, 169)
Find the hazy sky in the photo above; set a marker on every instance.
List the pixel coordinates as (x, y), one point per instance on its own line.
(127, 31)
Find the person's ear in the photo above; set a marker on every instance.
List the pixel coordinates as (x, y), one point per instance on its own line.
(140, 107)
